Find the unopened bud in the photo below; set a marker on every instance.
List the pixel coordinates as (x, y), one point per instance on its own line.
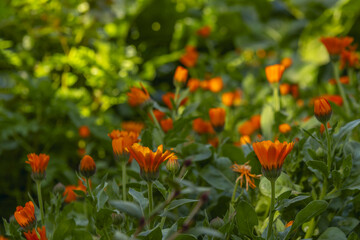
(217, 223)
(117, 218)
(173, 165)
(59, 188)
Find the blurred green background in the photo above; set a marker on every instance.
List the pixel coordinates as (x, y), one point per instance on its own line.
(68, 63)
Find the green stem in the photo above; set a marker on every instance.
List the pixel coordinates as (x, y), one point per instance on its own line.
(329, 160)
(271, 215)
(276, 97)
(341, 89)
(150, 196)
(154, 119)
(38, 186)
(106, 234)
(234, 192)
(89, 187)
(123, 168)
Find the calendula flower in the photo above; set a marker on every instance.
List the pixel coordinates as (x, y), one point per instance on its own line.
(168, 98)
(300, 103)
(193, 84)
(322, 110)
(247, 128)
(121, 140)
(245, 171)
(87, 166)
(334, 98)
(138, 97)
(172, 164)
(261, 53)
(343, 80)
(69, 194)
(189, 59)
(25, 216)
(166, 124)
(284, 88)
(255, 121)
(286, 62)
(180, 75)
(284, 128)
(158, 115)
(349, 59)
(131, 126)
(32, 235)
(294, 89)
(84, 131)
(38, 164)
(243, 141)
(217, 118)
(272, 156)
(274, 73)
(204, 85)
(322, 127)
(204, 31)
(148, 160)
(202, 127)
(214, 141)
(216, 84)
(335, 45)
(231, 98)
(3, 238)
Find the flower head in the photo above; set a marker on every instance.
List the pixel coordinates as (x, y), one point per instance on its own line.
(69, 194)
(202, 127)
(274, 73)
(190, 57)
(322, 110)
(343, 80)
(284, 128)
(172, 164)
(84, 131)
(349, 59)
(180, 75)
(245, 171)
(217, 118)
(158, 115)
(25, 216)
(271, 156)
(33, 235)
(284, 88)
(231, 98)
(216, 84)
(247, 128)
(138, 97)
(286, 62)
(38, 164)
(243, 141)
(87, 166)
(166, 124)
(121, 140)
(131, 126)
(193, 84)
(204, 31)
(148, 160)
(335, 45)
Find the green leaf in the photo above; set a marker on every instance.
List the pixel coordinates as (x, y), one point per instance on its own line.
(179, 202)
(319, 166)
(153, 234)
(346, 224)
(161, 188)
(246, 218)
(287, 202)
(336, 178)
(344, 131)
(101, 195)
(190, 109)
(127, 207)
(103, 218)
(64, 229)
(353, 236)
(198, 231)
(332, 233)
(346, 166)
(236, 154)
(267, 121)
(216, 178)
(195, 151)
(138, 196)
(81, 234)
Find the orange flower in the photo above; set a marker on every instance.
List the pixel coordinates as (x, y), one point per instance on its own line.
(243, 141)
(322, 109)
(148, 160)
(131, 126)
(166, 124)
(231, 98)
(245, 171)
(204, 31)
(274, 73)
(284, 88)
(84, 131)
(216, 84)
(289, 224)
(322, 127)
(300, 103)
(121, 140)
(87, 166)
(349, 59)
(201, 127)
(256, 121)
(286, 62)
(271, 156)
(3, 238)
(261, 53)
(25, 216)
(343, 80)
(181, 74)
(138, 96)
(294, 90)
(217, 118)
(334, 98)
(33, 235)
(38, 164)
(69, 194)
(158, 115)
(214, 142)
(190, 57)
(335, 45)
(193, 84)
(247, 128)
(284, 128)
(169, 97)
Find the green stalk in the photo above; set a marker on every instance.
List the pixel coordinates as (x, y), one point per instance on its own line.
(106, 234)
(123, 168)
(154, 119)
(271, 215)
(150, 196)
(38, 186)
(341, 89)
(276, 97)
(88, 186)
(329, 160)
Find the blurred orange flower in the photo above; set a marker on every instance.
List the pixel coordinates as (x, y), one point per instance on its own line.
(121, 140)
(201, 127)
(335, 45)
(138, 96)
(349, 59)
(214, 142)
(181, 74)
(167, 97)
(247, 128)
(286, 62)
(189, 59)
(158, 115)
(322, 127)
(84, 131)
(274, 73)
(33, 235)
(343, 80)
(69, 194)
(294, 89)
(38, 164)
(245, 171)
(204, 31)
(231, 98)
(217, 118)
(131, 126)
(289, 224)
(334, 98)
(166, 124)
(284, 128)
(243, 141)
(256, 121)
(216, 84)
(193, 84)
(204, 85)
(25, 216)
(284, 88)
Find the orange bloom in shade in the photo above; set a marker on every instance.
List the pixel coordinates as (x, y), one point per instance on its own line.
(322, 127)
(349, 59)
(25, 216)
(286, 62)
(322, 109)
(166, 124)
(148, 160)
(201, 126)
(121, 140)
(334, 98)
(216, 84)
(214, 142)
(3, 238)
(158, 115)
(243, 141)
(138, 96)
(294, 89)
(231, 98)
(181, 74)
(131, 126)
(217, 118)
(289, 224)
(87, 166)
(245, 171)
(274, 73)
(189, 59)
(300, 103)
(84, 131)
(261, 53)
(247, 128)
(343, 80)
(204, 31)
(271, 156)
(193, 84)
(284, 88)
(167, 97)
(69, 194)
(204, 85)
(335, 45)
(33, 236)
(284, 128)
(255, 121)
(38, 164)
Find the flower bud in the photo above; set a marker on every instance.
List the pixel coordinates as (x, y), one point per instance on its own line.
(217, 223)
(322, 110)
(173, 165)
(87, 166)
(59, 188)
(117, 218)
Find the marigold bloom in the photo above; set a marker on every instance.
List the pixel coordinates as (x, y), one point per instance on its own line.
(294, 89)
(87, 166)
(334, 98)
(131, 126)
(231, 98)
(202, 127)
(181, 74)
(69, 194)
(284, 88)
(216, 84)
(33, 236)
(169, 97)
(343, 80)
(261, 53)
(284, 128)
(322, 127)
(271, 156)
(243, 141)
(274, 73)
(25, 216)
(138, 96)
(84, 131)
(148, 160)
(256, 121)
(158, 115)
(38, 164)
(286, 62)
(335, 45)
(214, 141)
(245, 171)
(217, 118)
(204, 31)
(349, 59)
(193, 84)
(172, 164)
(121, 140)
(204, 85)
(166, 124)
(190, 57)
(247, 128)
(322, 110)
(300, 103)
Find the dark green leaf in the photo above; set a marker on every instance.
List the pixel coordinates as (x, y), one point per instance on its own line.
(179, 202)
(246, 218)
(127, 207)
(320, 166)
(332, 233)
(103, 218)
(81, 234)
(216, 178)
(138, 196)
(64, 229)
(346, 166)
(198, 231)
